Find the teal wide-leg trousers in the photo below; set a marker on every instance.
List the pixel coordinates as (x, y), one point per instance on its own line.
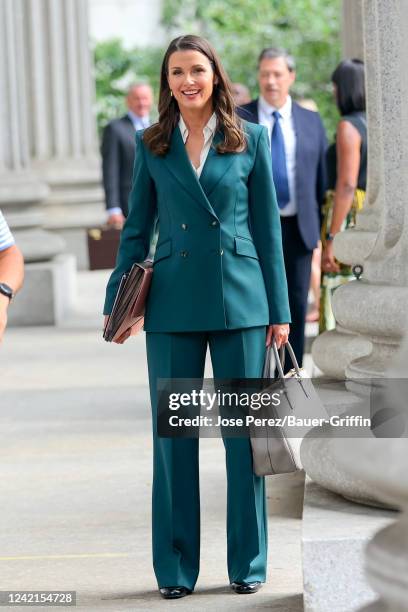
(176, 496)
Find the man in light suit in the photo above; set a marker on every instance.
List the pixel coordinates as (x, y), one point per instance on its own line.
(118, 151)
(298, 145)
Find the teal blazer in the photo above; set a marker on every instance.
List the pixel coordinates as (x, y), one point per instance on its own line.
(218, 262)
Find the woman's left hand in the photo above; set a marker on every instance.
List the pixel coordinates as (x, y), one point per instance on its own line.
(279, 332)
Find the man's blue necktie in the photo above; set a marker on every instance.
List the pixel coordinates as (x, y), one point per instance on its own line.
(279, 170)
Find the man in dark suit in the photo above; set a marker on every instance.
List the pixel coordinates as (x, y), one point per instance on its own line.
(298, 146)
(118, 151)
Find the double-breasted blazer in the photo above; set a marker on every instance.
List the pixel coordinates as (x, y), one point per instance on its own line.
(218, 262)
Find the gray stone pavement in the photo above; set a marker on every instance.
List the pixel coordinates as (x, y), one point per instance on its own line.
(75, 455)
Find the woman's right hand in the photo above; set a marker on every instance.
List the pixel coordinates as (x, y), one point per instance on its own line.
(329, 263)
(278, 332)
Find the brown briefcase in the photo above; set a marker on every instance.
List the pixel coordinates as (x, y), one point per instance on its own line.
(103, 244)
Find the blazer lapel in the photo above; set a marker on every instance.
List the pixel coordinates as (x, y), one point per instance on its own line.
(215, 167)
(179, 164)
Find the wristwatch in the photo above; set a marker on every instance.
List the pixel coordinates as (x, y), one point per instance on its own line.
(7, 291)
(329, 237)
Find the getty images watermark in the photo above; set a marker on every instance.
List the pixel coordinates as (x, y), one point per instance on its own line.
(248, 407)
(254, 402)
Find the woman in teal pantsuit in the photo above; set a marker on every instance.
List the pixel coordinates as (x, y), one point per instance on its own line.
(219, 279)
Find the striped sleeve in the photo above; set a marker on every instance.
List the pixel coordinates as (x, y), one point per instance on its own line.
(6, 237)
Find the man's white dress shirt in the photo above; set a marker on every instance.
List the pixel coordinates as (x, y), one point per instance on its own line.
(265, 111)
(139, 123)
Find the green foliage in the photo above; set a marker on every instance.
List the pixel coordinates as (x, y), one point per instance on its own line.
(239, 29)
(115, 69)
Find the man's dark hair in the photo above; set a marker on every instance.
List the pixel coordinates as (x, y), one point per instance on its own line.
(349, 80)
(274, 52)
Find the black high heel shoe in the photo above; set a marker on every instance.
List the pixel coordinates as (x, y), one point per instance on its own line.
(174, 592)
(245, 588)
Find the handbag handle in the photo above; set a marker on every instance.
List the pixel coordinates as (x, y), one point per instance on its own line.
(279, 359)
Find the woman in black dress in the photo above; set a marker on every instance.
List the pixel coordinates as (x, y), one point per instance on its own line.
(347, 177)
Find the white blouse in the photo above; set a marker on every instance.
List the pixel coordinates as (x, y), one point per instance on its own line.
(208, 131)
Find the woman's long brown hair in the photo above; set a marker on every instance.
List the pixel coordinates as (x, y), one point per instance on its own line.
(157, 137)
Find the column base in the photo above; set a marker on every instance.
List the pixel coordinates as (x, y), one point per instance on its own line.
(71, 223)
(21, 188)
(321, 455)
(334, 350)
(75, 203)
(38, 245)
(76, 242)
(48, 293)
(377, 363)
(320, 463)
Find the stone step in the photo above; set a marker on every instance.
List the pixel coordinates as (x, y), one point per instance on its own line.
(334, 535)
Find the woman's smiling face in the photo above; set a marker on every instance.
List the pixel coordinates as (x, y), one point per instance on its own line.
(191, 79)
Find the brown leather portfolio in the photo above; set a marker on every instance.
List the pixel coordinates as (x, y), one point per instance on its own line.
(127, 315)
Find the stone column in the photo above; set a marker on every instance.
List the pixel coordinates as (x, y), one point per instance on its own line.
(21, 190)
(382, 463)
(370, 312)
(18, 184)
(63, 141)
(373, 313)
(351, 30)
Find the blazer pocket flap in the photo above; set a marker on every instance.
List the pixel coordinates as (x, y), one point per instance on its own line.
(162, 250)
(245, 246)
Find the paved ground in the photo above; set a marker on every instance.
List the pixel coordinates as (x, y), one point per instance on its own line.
(75, 454)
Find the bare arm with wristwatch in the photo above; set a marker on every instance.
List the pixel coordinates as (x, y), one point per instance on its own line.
(11, 271)
(348, 143)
